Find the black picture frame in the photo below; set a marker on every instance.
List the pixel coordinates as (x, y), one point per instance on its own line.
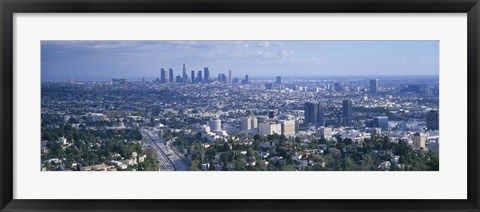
(9, 7)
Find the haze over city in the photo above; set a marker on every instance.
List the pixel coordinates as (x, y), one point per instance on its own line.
(240, 106)
(134, 60)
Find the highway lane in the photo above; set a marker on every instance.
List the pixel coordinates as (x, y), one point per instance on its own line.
(164, 161)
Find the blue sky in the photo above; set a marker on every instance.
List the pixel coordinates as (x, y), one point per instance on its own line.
(103, 60)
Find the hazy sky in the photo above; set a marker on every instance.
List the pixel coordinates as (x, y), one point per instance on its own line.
(101, 60)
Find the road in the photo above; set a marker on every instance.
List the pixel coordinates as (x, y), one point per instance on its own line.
(169, 159)
(164, 162)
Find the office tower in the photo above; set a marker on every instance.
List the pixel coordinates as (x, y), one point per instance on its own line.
(326, 132)
(184, 74)
(249, 123)
(380, 122)
(199, 77)
(288, 127)
(222, 78)
(179, 79)
(279, 80)
(313, 113)
(230, 76)
(419, 140)
(246, 79)
(170, 75)
(268, 86)
(163, 76)
(347, 112)
(72, 80)
(433, 120)
(235, 80)
(206, 73)
(338, 87)
(215, 125)
(271, 114)
(193, 77)
(373, 86)
(143, 79)
(269, 128)
(245, 124)
(253, 120)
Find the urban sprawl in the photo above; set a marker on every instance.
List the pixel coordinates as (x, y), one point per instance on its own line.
(196, 122)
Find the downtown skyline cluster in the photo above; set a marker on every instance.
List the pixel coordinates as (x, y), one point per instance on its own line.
(132, 60)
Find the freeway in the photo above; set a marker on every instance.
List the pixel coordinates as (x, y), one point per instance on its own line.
(164, 161)
(169, 159)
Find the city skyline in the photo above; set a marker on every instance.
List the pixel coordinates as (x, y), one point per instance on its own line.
(135, 60)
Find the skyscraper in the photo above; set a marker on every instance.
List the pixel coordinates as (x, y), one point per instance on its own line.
(184, 74)
(230, 76)
(193, 76)
(163, 76)
(206, 73)
(373, 86)
(199, 77)
(222, 78)
(338, 87)
(279, 80)
(347, 112)
(179, 79)
(246, 79)
(432, 120)
(313, 113)
(380, 122)
(170, 75)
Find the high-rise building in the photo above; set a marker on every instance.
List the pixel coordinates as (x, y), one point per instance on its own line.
(373, 86)
(170, 75)
(235, 80)
(223, 78)
(288, 127)
(163, 76)
(271, 114)
(230, 76)
(380, 122)
(347, 112)
(326, 132)
(279, 80)
(419, 140)
(269, 128)
(192, 78)
(199, 77)
(249, 124)
(215, 125)
(72, 80)
(206, 73)
(184, 74)
(245, 124)
(433, 120)
(313, 113)
(179, 79)
(268, 86)
(338, 87)
(246, 81)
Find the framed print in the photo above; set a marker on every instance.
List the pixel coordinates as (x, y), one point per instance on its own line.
(255, 106)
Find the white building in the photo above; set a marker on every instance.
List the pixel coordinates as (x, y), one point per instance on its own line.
(288, 127)
(326, 132)
(215, 125)
(269, 128)
(249, 124)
